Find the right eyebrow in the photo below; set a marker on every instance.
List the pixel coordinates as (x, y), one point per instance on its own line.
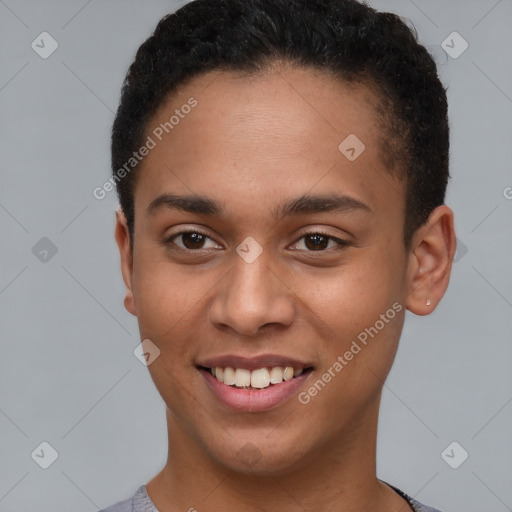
(187, 203)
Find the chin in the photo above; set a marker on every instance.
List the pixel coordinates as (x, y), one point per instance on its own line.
(259, 457)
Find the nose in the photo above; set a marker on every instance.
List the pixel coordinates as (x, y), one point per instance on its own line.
(250, 296)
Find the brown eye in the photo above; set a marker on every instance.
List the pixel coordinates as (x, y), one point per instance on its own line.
(319, 242)
(191, 240)
(316, 242)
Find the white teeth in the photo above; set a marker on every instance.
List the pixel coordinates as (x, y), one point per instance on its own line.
(276, 375)
(242, 378)
(260, 378)
(229, 376)
(288, 373)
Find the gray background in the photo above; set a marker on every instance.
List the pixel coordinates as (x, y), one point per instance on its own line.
(68, 375)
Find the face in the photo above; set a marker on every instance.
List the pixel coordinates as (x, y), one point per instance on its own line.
(286, 252)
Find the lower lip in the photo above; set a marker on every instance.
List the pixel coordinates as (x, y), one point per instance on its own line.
(254, 400)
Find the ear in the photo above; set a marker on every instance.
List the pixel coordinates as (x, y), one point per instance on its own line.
(430, 261)
(122, 235)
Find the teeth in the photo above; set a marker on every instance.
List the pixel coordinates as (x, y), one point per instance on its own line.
(276, 375)
(242, 378)
(288, 373)
(229, 376)
(260, 378)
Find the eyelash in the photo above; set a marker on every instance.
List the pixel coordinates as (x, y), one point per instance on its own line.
(341, 243)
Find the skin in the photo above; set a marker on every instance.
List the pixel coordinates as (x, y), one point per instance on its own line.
(250, 144)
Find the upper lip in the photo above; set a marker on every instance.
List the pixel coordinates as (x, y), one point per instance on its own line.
(252, 363)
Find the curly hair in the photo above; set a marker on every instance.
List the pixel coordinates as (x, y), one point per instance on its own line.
(345, 38)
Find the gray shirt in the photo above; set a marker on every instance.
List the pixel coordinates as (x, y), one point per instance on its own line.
(141, 502)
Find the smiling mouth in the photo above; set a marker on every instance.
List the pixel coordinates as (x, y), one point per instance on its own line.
(256, 379)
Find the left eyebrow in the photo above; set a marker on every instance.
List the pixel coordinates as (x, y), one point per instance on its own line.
(305, 204)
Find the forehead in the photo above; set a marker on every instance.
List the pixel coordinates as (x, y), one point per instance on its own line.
(286, 131)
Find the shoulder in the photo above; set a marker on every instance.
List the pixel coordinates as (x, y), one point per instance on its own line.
(139, 502)
(415, 504)
(120, 506)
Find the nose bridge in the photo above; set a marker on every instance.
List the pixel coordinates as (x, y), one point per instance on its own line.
(251, 295)
(252, 278)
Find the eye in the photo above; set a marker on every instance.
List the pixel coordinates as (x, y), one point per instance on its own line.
(195, 240)
(191, 240)
(318, 241)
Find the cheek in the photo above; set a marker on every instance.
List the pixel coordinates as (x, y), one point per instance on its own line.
(377, 312)
(359, 312)
(351, 297)
(168, 302)
(165, 295)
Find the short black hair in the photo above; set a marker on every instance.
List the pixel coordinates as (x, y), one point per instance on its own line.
(345, 38)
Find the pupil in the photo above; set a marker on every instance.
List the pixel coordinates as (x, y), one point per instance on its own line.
(318, 243)
(195, 238)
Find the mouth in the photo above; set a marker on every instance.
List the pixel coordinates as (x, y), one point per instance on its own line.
(259, 378)
(254, 384)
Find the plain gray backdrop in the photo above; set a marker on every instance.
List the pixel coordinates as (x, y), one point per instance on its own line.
(68, 375)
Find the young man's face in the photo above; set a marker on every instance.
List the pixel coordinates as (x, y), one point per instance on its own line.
(257, 287)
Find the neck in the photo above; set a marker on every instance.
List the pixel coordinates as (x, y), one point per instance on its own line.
(339, 477)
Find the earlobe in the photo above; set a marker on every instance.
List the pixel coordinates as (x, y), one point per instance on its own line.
(122, 235)
(430, 261)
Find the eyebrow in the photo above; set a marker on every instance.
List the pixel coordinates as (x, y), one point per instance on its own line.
(305, 204)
